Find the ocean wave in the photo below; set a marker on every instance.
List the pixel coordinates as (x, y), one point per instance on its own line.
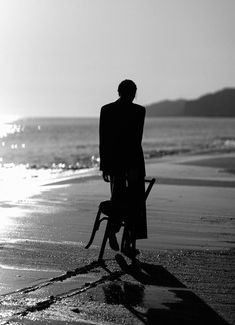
(225, 142)
(57, 164)
(214, 145)
(164, 152)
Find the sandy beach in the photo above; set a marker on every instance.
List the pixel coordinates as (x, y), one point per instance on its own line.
(121, 87)
(184, 272)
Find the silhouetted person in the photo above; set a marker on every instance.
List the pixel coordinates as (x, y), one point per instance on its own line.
(122, 161)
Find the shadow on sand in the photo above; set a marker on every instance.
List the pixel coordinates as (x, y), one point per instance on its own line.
(149, 292)
(158, 297)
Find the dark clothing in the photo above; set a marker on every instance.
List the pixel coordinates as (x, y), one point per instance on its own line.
(121, 130)
(121, 157)
(128, 198)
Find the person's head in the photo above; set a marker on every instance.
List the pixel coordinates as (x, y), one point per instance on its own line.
(127, 90)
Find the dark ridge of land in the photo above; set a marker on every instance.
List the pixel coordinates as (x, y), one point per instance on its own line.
(218, 104)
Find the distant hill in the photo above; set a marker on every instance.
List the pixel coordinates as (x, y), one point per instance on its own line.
(221, 103)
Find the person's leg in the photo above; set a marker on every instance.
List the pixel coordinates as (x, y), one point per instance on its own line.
(118, 198)
(136, 217)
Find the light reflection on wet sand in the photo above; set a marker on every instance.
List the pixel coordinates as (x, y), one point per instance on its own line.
(6, 218)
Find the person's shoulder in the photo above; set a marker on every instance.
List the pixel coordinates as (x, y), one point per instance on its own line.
(139, 108)
(108, 106)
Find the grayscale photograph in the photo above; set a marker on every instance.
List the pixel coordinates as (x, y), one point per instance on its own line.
(117, 162)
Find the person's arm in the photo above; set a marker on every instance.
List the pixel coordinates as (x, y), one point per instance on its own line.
(103, 146)
(142, 123)
(106, 177)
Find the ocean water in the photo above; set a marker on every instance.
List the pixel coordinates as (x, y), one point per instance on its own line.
(51, 147)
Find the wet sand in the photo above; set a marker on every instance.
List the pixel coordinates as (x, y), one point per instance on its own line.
(190, 251)
(185, 285)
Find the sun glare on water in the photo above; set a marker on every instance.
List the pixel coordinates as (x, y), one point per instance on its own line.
(15, 187)
(6, 124)
(8, 118)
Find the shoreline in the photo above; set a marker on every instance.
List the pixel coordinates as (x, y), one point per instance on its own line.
(216, 169)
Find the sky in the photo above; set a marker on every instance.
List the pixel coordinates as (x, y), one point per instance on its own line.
(67, 57)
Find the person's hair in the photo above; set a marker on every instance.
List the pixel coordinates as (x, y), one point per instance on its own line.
(127, 88)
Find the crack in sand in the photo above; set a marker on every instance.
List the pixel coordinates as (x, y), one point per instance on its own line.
(42, 305)
(61, 278)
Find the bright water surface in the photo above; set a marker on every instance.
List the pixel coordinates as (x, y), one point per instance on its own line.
(55, 145)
